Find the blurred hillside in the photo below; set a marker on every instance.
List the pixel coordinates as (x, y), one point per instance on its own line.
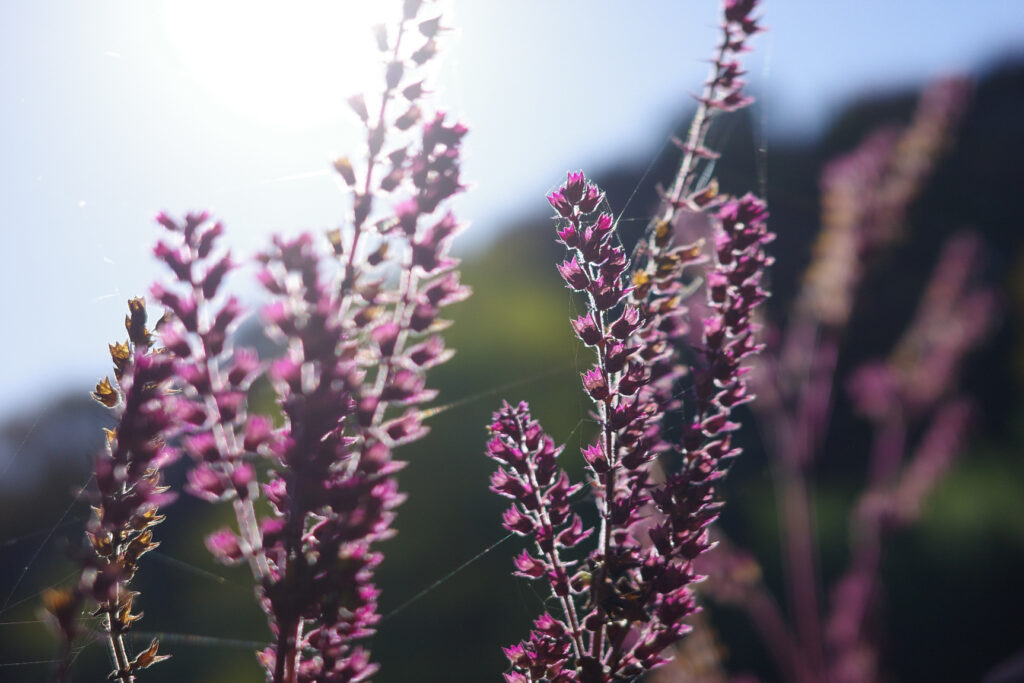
(955, 598)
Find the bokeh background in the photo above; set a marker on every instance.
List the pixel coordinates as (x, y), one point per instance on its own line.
(114, 110)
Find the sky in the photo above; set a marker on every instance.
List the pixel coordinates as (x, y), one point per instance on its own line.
(112, 110)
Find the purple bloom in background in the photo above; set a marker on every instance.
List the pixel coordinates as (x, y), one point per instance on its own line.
(918, 421)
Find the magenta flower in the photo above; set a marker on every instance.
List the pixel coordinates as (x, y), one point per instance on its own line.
(128, 494)
(629, 601)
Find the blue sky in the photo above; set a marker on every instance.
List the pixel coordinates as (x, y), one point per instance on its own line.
(114, 109)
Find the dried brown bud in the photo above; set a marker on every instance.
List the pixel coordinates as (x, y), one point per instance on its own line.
(425, 53)
(378, 255)
(410, 8)
(135, 322)
(344, 168)
(662, 233)
(707, 195)
(409, 118)
(691, 252)
(63, 605)
(375, 140)
(394, 74)
(366, 316)
(380, 34)
(358, 104)
(149, 518)
(103, 543)
(148, 657)
(124, 614)
(120, 352)
(361, 207)
(392, 179)
(106, 394)
(430, 27)
(139, 546)
(57, 599)
(164, 319)
(334, 237)
(414, 91)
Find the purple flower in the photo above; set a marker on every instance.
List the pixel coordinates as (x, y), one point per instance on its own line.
(129, 491)
(540, 492)
(225, 546)
(358, 351)
(638, 580)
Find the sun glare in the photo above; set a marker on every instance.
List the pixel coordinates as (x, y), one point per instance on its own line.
(284, 64)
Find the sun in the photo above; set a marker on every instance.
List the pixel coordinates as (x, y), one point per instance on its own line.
(288, 65)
